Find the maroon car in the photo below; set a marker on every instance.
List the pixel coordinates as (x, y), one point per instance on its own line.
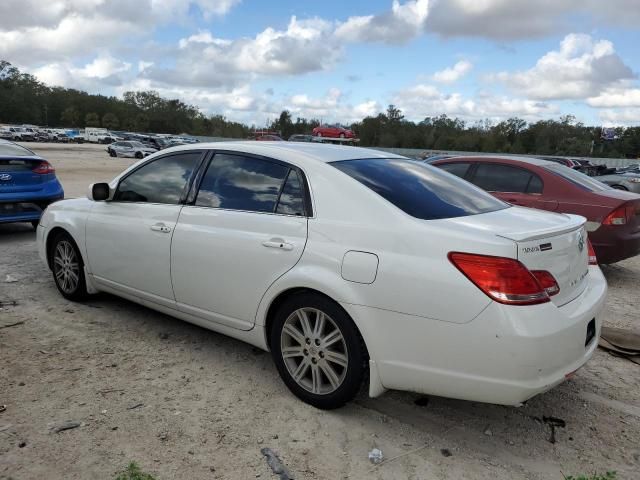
(613, 216)
(332, 131)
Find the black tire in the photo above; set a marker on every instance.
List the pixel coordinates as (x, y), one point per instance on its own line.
(112, 153)
(63, 242)
(35, 223)
(139, 155)
(357, 358)
(619, 187)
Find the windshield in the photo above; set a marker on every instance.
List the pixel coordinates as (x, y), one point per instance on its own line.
(577, 178)
(420, 190)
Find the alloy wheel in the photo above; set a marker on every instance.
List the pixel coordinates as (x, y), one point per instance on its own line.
(66, 267)
(314, 351)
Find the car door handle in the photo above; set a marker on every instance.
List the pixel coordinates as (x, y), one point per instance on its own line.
(160, 227)
(277, 243)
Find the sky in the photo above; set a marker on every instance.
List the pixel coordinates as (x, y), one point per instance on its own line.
(339, 61)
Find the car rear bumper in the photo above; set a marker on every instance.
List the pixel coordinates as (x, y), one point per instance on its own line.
(613, 243)
(506, 355)
(25, 209)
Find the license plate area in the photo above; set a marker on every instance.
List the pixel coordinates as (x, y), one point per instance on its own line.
(591, 332)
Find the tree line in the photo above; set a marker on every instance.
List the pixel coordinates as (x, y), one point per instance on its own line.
(25, 100)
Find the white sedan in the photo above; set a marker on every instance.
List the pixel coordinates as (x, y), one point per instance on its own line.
(132, 149)
(346, 263)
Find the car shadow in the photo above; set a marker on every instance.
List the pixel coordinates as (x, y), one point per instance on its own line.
(15, 232)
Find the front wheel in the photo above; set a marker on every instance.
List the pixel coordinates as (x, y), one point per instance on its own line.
(318, 351)
(68, 267)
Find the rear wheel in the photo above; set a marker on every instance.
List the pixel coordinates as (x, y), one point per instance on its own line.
(318, 351)
(112, 153)
(68, 267)
(139, 155)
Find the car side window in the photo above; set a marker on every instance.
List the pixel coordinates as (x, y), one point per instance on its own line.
(495, 177)
(161, 181)
(238, 182)
(457, 168)
(291, 200)
(535, 184)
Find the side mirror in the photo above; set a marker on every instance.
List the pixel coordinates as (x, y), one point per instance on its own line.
(99, 192)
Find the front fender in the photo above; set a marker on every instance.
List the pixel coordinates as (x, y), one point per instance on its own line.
(70, 216)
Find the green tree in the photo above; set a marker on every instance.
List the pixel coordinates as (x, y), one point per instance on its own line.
(110, 121)
(92, 120)
(70, 116)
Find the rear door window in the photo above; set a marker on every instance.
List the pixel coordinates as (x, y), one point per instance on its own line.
(420, 190)
(495, 177)
(238, 182)
(459, 169)
(291, 200)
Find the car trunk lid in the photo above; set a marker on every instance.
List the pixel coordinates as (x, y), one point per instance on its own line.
(16, 175)
(556, 243)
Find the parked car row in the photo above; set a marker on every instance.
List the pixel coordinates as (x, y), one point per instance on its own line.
(37, 134)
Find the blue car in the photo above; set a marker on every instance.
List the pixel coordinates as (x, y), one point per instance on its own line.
(28, 183)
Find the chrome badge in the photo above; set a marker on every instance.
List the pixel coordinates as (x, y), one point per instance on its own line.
(5, 177)
(580, 242)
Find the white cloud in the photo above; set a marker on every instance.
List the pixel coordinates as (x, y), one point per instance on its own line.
(404, 22)
(33, 32)
(620, 117)
(332, 107)
(518, 19)
(616, 97)
(453, 74)
(424, 100)
(305, 46)
(103, 71)
(581, 68)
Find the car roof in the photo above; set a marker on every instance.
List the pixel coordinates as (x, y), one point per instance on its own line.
(530, 160)
(313, 151)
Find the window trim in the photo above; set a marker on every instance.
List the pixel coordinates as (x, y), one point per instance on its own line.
(471, 174)
(183, 195)
(197, 183)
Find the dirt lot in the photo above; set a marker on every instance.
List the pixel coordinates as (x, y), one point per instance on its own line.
(186, 403)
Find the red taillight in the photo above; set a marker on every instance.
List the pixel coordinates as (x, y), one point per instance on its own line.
(592, 253)
(44, 168)
(547, 282)
(620, 216)
(504, 280)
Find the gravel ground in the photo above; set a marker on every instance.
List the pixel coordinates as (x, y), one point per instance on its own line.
(184, 402)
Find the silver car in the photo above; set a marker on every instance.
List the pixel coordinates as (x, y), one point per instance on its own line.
(130, 149)
(622, 181)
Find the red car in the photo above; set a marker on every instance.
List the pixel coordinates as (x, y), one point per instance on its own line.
(613, 216)
(332, 131)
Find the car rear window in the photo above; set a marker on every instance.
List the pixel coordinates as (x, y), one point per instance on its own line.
(13, 150)
(577, 178)
(420, 190)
